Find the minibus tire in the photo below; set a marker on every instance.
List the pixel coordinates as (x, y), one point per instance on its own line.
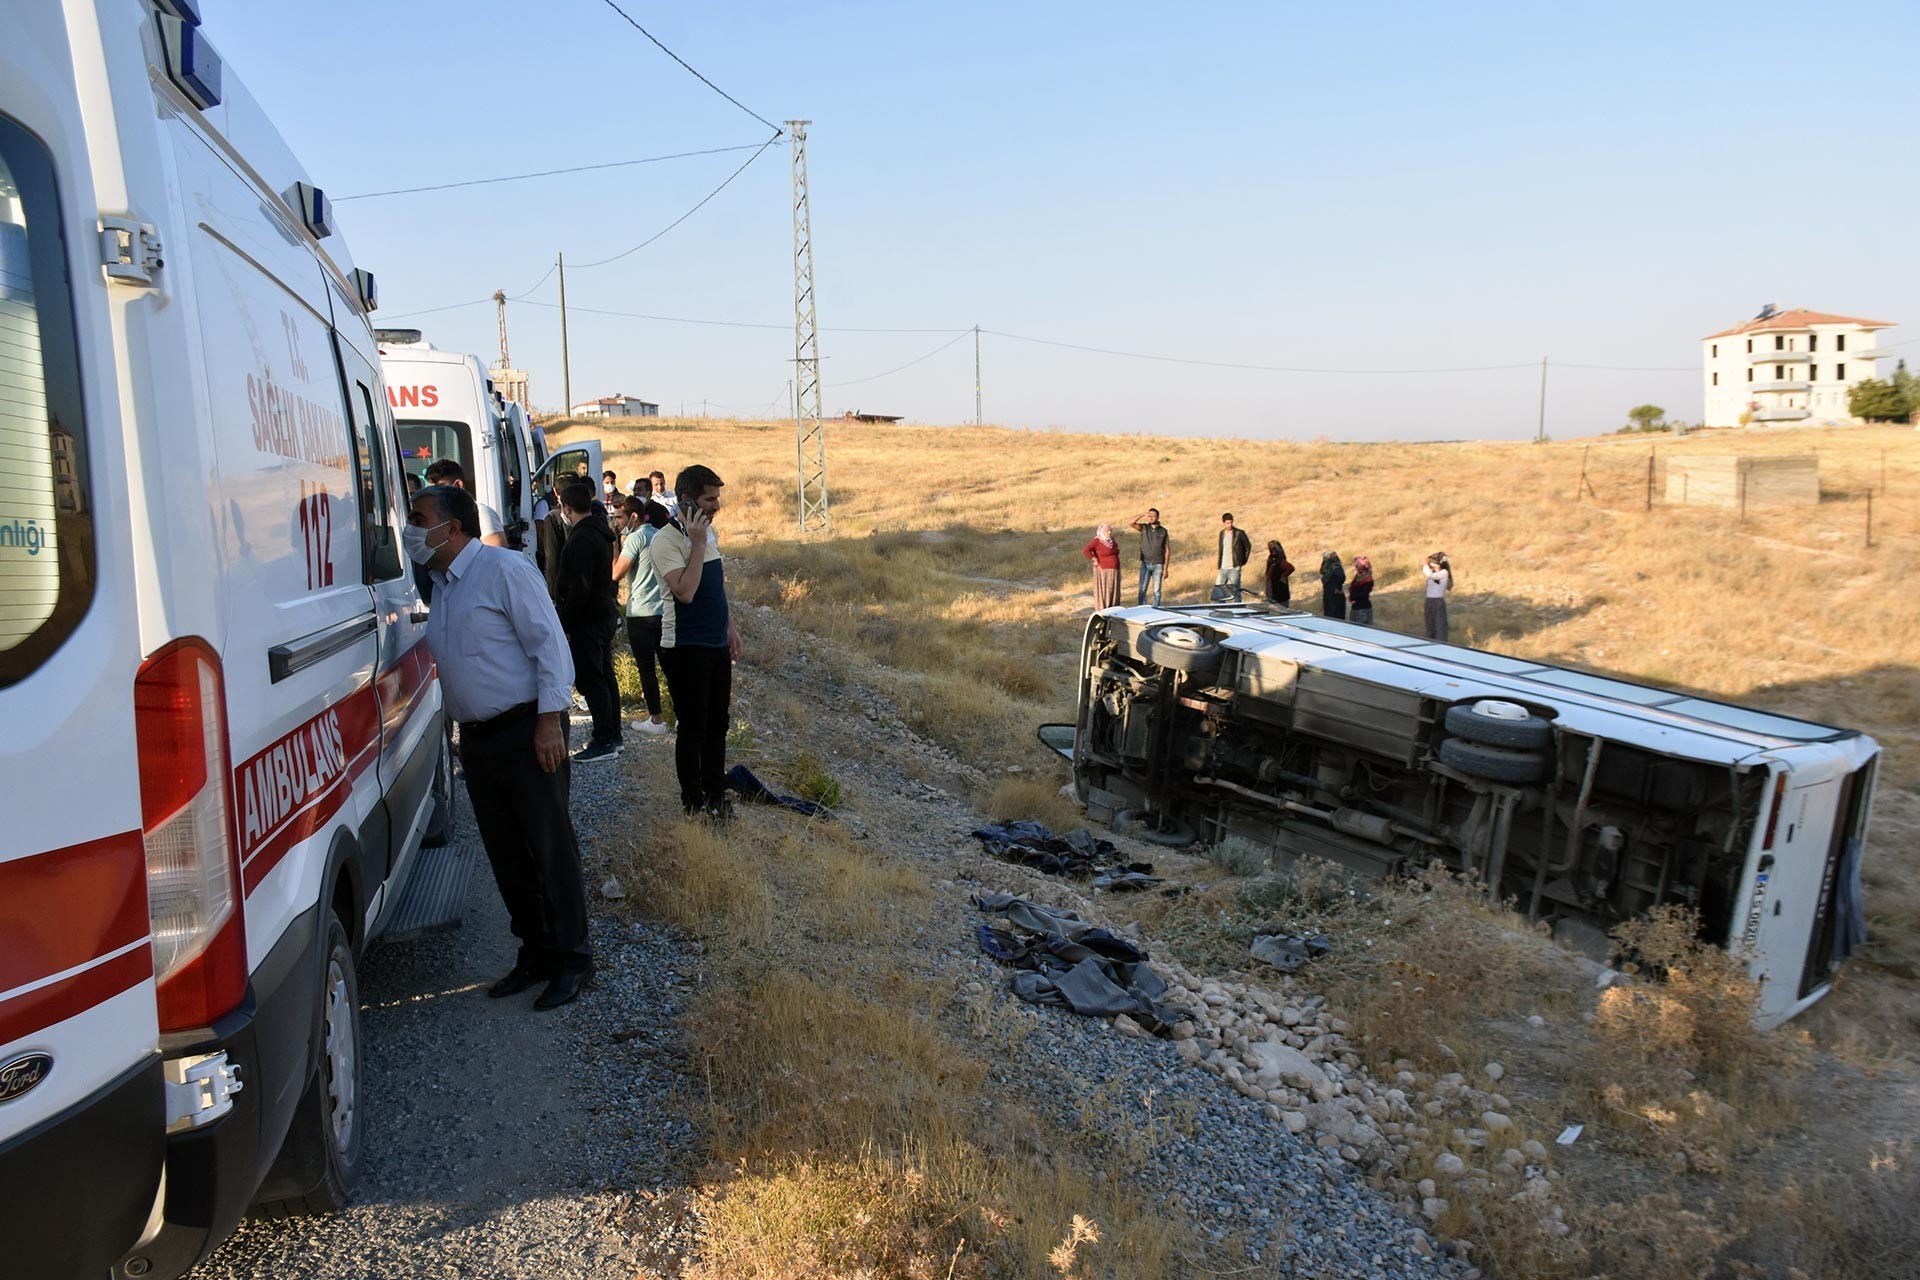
(440, 825)
(1495, 764)
(1203, 661)
(1531, 734)
(313, 1141)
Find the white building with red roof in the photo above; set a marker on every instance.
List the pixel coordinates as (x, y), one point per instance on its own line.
(1787, 366)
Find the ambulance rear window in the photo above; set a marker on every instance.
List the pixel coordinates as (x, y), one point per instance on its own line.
(46, 529)
(424, 443)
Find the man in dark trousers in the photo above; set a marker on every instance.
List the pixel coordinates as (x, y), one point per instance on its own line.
(504, 674)
(1155, 552)
(698, 642)
(550, 534)
(584, 597)
(1235, 547)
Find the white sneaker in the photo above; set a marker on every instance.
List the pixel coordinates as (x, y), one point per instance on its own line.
(652, 728)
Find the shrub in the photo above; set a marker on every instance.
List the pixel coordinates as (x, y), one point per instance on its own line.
(810, 780)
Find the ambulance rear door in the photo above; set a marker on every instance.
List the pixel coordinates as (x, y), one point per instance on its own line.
(82, 1100)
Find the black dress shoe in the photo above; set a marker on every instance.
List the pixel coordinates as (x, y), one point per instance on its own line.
(522, 977)
(565, 988)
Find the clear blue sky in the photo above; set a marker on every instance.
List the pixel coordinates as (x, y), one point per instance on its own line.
(1384, 186)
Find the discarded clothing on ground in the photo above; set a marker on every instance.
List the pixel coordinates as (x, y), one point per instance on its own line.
(741, 779)
(1077, 855)
(1062, 960)
(1288, 951)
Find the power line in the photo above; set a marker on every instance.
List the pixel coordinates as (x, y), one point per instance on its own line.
(736, 324)
(545, 173)
(456, 306)
(689, 213)
(854, 382)
(1633, 368)
(1259, 368)
(696, 75)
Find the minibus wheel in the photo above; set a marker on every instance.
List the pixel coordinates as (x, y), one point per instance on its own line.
(1499, 724)
(1495, 764)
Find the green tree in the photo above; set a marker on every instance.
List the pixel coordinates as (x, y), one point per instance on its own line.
(1647, 415)
(1891, 401)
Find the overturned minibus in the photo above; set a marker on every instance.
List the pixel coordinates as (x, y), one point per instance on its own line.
(1585, 800)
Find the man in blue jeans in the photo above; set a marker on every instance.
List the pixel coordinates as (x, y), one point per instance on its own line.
(698, 642)
(1155, 550)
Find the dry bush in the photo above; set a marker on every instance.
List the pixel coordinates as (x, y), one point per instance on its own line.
(1674, 1057)
(1853, 1224)
(1021, 799)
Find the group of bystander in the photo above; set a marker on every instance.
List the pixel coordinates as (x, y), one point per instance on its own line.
(1341, 596)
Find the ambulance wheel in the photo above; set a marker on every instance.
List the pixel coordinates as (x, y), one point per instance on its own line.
(320, 1159)
(440, 825)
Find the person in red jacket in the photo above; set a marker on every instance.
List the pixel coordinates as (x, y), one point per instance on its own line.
(1105, 554)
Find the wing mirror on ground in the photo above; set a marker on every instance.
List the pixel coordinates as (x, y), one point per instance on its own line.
(1058, 738)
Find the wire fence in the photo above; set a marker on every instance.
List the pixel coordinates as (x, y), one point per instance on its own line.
(1852, 496)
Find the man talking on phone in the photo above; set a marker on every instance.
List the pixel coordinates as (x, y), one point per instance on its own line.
(505, 679)
(698, 642)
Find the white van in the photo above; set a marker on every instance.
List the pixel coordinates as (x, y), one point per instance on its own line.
(1586, 800)
(224, 743)
(445, 406)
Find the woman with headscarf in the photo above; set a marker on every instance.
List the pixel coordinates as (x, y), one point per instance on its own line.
(1333, 580)
(1105, 554)
(1360, 591)
(1279, 574)
(1439, 574)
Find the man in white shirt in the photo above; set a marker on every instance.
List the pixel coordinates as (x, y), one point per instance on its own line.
(493, 531)
(663, 495)
(505, 679)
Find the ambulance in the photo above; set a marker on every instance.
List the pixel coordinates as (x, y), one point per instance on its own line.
(446, 407)
(225, 758)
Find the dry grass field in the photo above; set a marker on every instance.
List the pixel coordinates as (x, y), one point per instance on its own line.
(952, 581)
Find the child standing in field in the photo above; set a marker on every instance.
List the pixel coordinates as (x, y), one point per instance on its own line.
(1104, 552)
(1439, 575)
(1279, 574)
(1360, 591)
(1333, 581)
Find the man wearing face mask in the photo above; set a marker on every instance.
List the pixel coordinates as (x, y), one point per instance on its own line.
(610, 490)
(504, 679)
(585, 602)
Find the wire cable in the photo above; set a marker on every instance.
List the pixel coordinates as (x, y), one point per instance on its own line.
(546, 173)
(456, 306)
(732, 324)
(854, 382)
(1259, 368)
(777, 131)
(601, 262)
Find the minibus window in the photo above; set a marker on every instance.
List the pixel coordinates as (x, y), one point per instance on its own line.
(46, 522)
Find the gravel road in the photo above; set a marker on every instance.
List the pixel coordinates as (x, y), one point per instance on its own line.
(503, 1142)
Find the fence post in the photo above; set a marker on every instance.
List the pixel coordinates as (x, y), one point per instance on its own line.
(1649, 478)
(1869, 517)
(1741, 472)
(1579, 488)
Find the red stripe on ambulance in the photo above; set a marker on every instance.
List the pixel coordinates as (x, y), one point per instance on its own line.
(36, 1010)
(291, 788)
(69, 906)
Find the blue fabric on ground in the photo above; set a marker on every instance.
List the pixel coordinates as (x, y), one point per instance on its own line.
(741, 779)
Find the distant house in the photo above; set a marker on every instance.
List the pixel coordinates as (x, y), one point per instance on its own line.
(1787, 366)
(857, 415)
(617, 407)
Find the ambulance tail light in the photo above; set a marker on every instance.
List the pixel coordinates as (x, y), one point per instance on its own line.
(193, 870)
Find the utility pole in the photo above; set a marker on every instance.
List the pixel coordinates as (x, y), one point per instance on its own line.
(810, 431)
(1540, 433)
(977, 419)
(566, 362)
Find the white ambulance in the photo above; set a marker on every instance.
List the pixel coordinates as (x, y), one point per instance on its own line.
(224, 743)
(446, 407)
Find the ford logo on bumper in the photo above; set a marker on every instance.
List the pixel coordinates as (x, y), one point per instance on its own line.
(23, 1075)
